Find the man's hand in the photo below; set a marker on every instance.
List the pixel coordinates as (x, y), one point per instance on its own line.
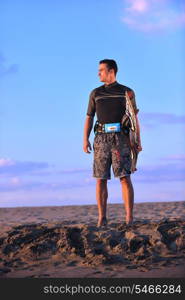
(87, 146)
(139, 148)
(136, 147)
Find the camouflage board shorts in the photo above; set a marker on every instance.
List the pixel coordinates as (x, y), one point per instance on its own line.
(111, 149)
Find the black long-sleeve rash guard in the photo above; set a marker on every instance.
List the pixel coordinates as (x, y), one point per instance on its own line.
(109, 103)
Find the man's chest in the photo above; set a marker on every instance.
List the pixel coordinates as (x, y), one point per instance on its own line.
(104, 96)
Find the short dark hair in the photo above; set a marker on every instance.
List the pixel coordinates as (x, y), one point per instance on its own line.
(111, 64)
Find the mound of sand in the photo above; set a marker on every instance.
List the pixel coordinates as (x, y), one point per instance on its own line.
(142, 246)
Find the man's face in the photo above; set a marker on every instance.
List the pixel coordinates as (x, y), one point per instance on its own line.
(104, 73)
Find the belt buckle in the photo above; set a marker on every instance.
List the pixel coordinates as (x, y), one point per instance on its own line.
(112, 127)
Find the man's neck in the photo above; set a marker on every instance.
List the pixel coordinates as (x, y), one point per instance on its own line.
(110, 81)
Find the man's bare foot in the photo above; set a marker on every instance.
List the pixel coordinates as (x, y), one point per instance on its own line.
(102, 222)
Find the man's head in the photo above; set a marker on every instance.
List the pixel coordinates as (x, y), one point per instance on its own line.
(107, 70)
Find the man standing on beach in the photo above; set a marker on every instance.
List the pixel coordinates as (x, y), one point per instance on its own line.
(112, 144)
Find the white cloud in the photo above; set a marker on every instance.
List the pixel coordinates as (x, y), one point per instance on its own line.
(152, 120)
(6, 162)
(13, 168)
(179, 157)
(154, 15)
(15, 180)
(138, 6)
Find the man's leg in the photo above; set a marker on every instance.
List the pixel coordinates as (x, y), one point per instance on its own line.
(128, 197)
(101, 197)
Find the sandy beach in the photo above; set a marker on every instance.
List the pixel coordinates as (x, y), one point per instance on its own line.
(65, 242)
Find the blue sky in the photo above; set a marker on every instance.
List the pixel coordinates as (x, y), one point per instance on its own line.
(49, 58)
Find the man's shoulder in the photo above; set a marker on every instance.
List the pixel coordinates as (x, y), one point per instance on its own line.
(97, 89)
(124, 87)
(127, 89)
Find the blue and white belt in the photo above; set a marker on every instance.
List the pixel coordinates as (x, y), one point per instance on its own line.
(107, 127)
(112, 127)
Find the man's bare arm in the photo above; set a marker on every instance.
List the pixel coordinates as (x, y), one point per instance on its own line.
(87, 130)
